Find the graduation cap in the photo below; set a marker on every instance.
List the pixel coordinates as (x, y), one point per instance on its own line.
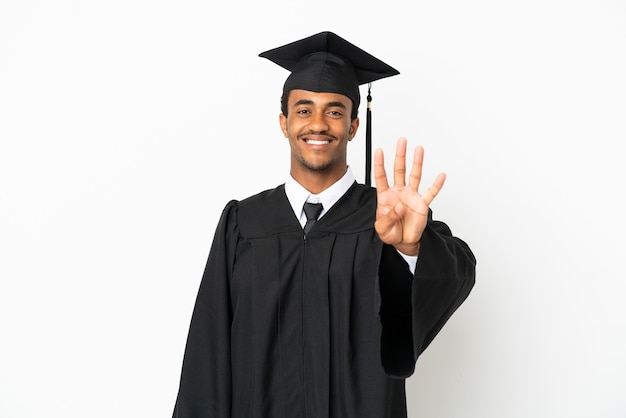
(327, 63)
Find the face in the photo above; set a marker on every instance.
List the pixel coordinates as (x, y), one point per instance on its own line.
(319, 128)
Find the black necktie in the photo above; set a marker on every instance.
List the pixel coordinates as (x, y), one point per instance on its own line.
(312, 211)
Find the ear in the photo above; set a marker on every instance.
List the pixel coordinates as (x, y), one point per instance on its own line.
(354, 126)
(282, 119)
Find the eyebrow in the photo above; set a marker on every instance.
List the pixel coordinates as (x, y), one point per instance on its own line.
(336, 104)
(307, 102)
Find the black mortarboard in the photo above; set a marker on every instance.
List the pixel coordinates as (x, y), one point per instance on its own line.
(327, 63)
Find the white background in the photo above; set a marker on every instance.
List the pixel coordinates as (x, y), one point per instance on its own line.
(126, 126)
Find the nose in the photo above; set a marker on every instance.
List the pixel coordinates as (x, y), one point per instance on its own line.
(318, 122)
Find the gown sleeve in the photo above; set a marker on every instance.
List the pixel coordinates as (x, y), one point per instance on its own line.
(205, 382)
(415, 307)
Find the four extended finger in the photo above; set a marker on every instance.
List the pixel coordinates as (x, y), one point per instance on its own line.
(399, 168)
(380, 176)
(416, 169)
(399, 164)
(433, 190)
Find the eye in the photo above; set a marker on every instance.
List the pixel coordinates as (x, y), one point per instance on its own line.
(335, 114)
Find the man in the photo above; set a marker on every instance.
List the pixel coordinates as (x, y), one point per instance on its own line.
(322, 317)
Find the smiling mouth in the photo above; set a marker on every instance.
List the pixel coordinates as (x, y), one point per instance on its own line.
(317, 141)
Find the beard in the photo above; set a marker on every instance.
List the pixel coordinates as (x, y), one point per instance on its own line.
(315, 165)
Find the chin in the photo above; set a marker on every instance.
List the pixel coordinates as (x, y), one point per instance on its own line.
(316, 166)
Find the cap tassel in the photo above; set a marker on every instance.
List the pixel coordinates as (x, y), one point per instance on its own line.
(368, 137)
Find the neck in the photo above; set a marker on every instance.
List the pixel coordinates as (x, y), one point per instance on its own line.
(315, 181)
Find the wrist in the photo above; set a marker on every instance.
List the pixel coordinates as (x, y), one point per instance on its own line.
(411, 250)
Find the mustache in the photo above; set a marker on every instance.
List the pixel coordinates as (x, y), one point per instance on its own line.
(322, 133)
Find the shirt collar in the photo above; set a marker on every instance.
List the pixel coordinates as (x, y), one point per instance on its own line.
(298, 195)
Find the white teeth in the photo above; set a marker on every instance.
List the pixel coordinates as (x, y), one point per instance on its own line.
(315, 142)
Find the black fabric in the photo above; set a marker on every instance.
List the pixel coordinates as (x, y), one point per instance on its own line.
(325, 62)
(323, 327)
(312, 212)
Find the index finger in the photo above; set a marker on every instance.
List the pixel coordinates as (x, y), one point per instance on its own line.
(380, 176)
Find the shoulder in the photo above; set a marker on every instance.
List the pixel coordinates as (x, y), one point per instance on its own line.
(359, 197)
(262, 200)
(354, 212)
(265, 213)
(362, 193)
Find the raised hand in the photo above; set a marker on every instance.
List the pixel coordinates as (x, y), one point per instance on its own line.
(402, 211)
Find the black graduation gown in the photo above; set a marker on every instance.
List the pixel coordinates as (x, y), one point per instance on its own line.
(323, 327)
